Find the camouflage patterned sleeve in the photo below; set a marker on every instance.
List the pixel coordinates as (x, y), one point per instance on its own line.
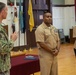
(5, 44)
(11, 44)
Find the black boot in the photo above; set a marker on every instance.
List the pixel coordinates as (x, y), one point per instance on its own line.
(75, 51)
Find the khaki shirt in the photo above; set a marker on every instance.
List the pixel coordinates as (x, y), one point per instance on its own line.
(49, 35)
(46, 34)
(74, 32)
(74, 35)
(75, 44)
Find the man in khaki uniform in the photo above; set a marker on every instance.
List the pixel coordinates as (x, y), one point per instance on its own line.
(74, 36)
(75, 47)
(48, 43)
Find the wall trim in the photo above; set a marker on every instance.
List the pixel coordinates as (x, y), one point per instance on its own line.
(63, 5)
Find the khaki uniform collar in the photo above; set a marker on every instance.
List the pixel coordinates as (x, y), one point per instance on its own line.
(45, 26)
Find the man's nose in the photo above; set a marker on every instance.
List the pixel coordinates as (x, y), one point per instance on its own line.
(50, 18)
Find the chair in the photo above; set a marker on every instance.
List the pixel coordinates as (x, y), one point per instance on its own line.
(61, 35)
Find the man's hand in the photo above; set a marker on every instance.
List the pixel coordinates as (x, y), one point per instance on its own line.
(14, 36)
(55, 52)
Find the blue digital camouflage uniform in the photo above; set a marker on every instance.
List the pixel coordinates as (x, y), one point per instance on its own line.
(5, 47)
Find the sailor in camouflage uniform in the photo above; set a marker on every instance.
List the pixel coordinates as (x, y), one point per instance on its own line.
(48, 43)
(6, 45)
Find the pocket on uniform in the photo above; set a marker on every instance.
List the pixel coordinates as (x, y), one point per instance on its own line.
(47, 32)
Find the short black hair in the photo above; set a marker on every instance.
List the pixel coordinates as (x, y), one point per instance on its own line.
(2, 5)
(45, 13)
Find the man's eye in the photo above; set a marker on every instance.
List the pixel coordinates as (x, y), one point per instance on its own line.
(47, 16)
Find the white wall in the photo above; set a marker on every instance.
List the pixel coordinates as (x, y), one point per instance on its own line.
(69, 14)
(64, 18)
(69, 19)
(58, 17)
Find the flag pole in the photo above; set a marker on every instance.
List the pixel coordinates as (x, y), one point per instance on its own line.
(31, 18)
(24, 18)
(16, 20)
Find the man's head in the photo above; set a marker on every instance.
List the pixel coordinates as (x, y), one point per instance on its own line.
(3, 11)
(47, 18)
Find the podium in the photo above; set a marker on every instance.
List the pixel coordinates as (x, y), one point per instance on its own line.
(61, 35)
(72, 40)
